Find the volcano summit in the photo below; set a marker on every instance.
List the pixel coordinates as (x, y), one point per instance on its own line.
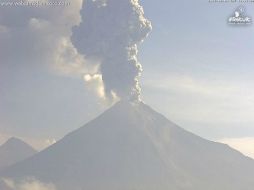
(130, 146)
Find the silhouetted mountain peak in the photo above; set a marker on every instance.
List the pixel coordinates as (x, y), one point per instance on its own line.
(131, 146)
(13, 151)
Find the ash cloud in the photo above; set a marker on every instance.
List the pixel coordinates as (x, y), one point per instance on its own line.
(109, 33)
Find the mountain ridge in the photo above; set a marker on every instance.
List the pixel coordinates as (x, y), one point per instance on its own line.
(14, 150)
(131, 146)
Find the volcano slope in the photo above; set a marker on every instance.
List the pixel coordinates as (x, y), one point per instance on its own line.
(132, 147)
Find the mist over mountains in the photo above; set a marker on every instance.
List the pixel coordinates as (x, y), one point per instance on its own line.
(13, 151)
(131, 146)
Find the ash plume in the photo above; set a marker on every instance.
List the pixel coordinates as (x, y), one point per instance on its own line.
(109, 33)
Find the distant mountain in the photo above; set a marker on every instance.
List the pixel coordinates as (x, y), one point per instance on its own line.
(13, 151)
(132, 147)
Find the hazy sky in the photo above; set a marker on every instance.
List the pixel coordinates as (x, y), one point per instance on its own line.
(198, 71)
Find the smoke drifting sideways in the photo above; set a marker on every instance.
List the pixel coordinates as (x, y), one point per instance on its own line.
(109, 34)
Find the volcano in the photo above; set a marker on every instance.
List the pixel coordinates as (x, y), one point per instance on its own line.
(13, 151)
(132, 147)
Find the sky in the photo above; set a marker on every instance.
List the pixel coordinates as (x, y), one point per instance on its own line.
(197, 71)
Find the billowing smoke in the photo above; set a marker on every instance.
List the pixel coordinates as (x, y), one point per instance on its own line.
(109, 33)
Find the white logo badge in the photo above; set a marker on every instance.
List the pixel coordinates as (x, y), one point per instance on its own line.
(239, 17)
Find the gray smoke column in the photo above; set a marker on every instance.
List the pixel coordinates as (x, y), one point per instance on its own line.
(110, 32)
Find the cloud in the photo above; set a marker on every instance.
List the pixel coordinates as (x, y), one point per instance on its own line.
(37, 30)
(205, 99)
(50, 142)
(37, 143)
(27, 184)
(244, 145)
(109, 34)
(39, 37)
(103, 45)
(191, 84)
(94, 81)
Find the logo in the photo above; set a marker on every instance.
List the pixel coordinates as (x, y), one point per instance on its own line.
(239, 17)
